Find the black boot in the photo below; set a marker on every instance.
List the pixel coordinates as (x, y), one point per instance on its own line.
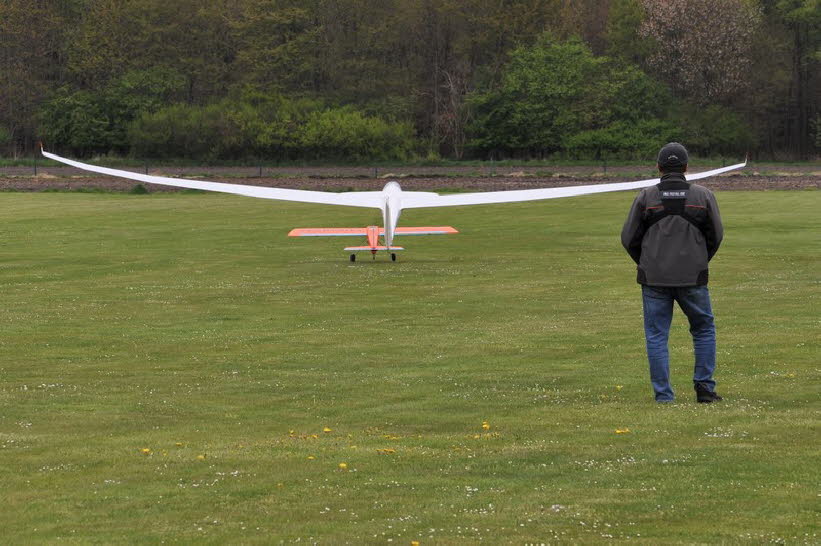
(706, 396)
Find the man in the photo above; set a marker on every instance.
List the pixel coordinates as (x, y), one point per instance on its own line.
(672, 231)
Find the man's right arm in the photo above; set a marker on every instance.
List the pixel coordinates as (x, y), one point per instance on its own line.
(633, 231)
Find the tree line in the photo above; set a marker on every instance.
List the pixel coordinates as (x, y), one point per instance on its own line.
(397, 79)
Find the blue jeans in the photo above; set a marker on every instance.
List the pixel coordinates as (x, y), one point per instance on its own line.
(658, 314)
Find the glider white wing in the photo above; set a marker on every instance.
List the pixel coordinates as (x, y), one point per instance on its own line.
(422, 200)
(373, 199)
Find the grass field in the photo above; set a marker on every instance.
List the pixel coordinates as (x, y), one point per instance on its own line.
(174, 368)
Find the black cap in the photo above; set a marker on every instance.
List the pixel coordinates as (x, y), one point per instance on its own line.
(672, 156)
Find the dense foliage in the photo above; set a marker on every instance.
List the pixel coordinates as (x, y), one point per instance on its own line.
(273, 128)
(368, 80)
(559, 97)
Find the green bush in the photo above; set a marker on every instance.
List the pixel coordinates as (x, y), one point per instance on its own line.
(138, 92)
(343, 133)
(211, 132)
(89, 122)
(538, 100)
(557, 97)
(625, 140)
(76, 121)
(279, 126)
(715, 130)
(5, 136)
(260, 128)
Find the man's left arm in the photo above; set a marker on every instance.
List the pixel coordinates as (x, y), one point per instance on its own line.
(714, 232)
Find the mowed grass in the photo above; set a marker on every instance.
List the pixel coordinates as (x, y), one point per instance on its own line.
(169, 363)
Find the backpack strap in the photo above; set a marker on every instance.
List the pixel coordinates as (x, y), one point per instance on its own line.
(673, 197)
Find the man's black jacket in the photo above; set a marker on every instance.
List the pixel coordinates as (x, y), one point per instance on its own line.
(672, 231)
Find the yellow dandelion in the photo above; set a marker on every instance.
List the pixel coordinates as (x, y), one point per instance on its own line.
(343, 466)
(624, 430)
(200, 457)
(618, 387)
(485, 425)
(145, 451)
(476, 436)
(291, 432)
(327, 430)
(311, 457)
(414, 543)
(178, 444)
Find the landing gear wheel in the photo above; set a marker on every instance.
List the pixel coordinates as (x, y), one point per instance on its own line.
(393, 256)
(353, 257)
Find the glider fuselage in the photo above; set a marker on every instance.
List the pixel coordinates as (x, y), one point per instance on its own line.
(391, 210)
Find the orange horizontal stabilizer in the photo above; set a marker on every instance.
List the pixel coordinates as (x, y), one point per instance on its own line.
(326, 232)
(435, 230)
(373, 248)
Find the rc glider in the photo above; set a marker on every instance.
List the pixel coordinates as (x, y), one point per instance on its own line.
(391, 201)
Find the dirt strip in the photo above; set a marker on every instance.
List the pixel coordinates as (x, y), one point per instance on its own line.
(497, 183)
(599, 171)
